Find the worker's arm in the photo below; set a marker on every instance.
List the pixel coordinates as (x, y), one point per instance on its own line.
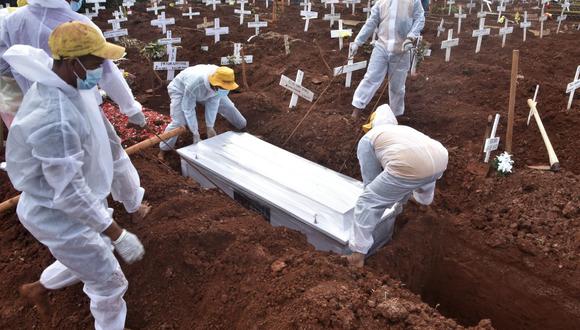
(211, 109)
(188, 104)
(370, 167)
(4, 45)
(418, 20)
(370, 25)
(118, 90)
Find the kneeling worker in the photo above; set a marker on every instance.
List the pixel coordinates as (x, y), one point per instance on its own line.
(206, 84)
(395, 161)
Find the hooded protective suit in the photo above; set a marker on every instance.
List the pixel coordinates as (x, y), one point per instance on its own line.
(10, 93)
(192, 86)
(32, 25)
(56, 157)
(395, 161)
(396, 21)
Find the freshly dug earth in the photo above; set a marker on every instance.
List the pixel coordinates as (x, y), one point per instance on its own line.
(503, 248)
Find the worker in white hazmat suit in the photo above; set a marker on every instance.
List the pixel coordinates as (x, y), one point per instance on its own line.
(206, 84)
(399, 23)
(58, 157)
(32, 25)
(396, 162)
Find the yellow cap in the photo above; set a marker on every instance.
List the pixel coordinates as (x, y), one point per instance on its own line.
(76, 39)
(223, 77)
(367, 127)
(382, 116)
(21, 3)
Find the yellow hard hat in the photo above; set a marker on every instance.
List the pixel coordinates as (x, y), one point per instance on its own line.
(223, 77)
(75, 39)
(21, 3)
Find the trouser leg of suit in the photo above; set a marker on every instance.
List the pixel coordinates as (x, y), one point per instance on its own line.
(177, 120)
(378, 196)
(398, 68)
(126, 186)
(370, 167)
(228, 110)
(376, 71)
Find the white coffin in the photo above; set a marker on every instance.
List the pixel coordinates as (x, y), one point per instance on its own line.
(286, 189)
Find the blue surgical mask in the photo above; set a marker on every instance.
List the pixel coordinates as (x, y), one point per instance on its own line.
(76, 5)
(92, 77)
(222, 92)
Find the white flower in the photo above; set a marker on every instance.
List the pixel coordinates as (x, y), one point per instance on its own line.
(504, 163)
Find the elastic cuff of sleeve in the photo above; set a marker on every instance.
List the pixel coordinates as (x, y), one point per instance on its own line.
(121, 237)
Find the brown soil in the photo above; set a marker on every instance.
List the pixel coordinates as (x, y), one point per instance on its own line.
(490, 247)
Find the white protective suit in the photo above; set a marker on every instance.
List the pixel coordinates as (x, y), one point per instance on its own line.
(192, 86)
(56, 157)
(396, 21)
(32, 25)
(10, 93)
(395, 161)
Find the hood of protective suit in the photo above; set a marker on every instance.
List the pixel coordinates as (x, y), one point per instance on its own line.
(49, 3)
(382, 116)
(35, 65)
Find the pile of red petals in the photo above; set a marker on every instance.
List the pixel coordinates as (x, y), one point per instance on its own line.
(156, 122)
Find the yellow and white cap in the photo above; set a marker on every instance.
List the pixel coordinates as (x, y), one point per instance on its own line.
(75, 39)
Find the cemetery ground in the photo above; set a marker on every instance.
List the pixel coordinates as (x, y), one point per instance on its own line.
(499, 248)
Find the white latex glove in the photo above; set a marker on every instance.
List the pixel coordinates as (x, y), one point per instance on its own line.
(129, 247)
(211, 132)
(352, 49)
(138, 119)
(407, 44)
(196, 138)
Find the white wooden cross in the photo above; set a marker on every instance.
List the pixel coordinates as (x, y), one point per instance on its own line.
(97, 5)
(480, 33)
(447, 44)
(179, 2)
(217, 30)
(172, 64)
(90, 14)
(525, 24)
(492, 142)
(500, 9)
(561, 18)
(572, 87)
(542, 19)
(169, 40)
(348, 69)
(162, 22)
(470, 6)
(296, 88)
(307, 15)
(441, 28)
(481, 13)
(353, 3)
(367, 9)
(267, 3)
(241, 11)
(213, 3)
(237, 58)
(426, 53)
(504, 31)
(459, 17)
(128, 4)
(156, 9)
(256, 24)
(116, 32)
(450, 3)
(191, 13)
(340, 33)
(332, 16)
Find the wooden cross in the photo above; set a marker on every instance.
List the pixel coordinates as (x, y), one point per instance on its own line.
(459, 17)
(332, 16)
(492, 142)
(216, 31)
(256, 24)
(481, 13)
(561, 18)
(97, 5)
(572, 87)
(500, 9)
(237, 58)
(296, 88)
(213, 3)
(116, 32)
(241, 11)
(441, 28)
(542, 19)
(480, 33)
(470, 6)
(367, 9)
(450, 3)
(156, 9)
(353, 3)
(307, 15)
(172, 64)
(162, 22)
(525, 24)
(205, 24)
(340, 33)
(447, 44)
(349, 68)
(191, 13)
(504, 31)
(89, 14)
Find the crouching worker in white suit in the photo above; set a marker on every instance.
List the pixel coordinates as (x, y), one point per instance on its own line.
(59, 156)
(399, 23)
(206, 84)
(395, 162)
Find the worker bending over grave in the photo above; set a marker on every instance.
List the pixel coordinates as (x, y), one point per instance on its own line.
(396, 162)
(32, 25)
(206, 84)
(399, 24)
(58, 156)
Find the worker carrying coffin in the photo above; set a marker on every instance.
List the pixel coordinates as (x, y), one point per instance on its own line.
(58, 154)
(396, 162)
(399, 24)
(206, 84)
